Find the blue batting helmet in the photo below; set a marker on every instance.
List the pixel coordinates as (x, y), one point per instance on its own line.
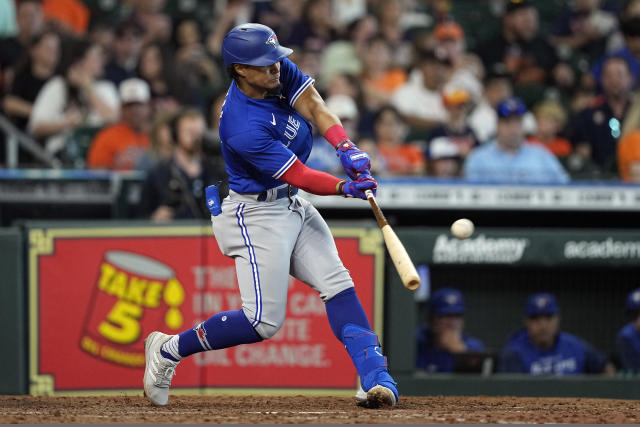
(253, 44)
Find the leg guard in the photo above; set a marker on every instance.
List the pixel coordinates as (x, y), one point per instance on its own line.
(364, 348)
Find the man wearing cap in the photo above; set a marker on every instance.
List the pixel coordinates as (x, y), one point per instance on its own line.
(628, 340)
(443, 336)
(508, 159)
(121, 145)
(542, 349)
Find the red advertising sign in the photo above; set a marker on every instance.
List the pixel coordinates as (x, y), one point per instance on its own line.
(97, 293)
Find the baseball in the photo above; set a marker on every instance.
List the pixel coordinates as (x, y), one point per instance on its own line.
(462, 228)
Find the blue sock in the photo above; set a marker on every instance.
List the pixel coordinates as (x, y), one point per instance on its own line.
(350, 325)
(343, 309)
(221, 330)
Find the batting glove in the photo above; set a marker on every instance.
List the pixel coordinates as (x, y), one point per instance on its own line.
(354, 161)
(356, 189)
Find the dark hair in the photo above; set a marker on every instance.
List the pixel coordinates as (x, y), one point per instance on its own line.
(183, 113)
(232, 73)
(26, 62)
(631, 26)
(387, 108)
(73, 52)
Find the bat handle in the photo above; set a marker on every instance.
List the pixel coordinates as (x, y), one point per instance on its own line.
(369, 194)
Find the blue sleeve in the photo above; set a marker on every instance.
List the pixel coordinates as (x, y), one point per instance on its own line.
(510, 361)
(629, 358)
(594, 361)
(558, 174)
(267, 155)
(294, 82)
(473, 344)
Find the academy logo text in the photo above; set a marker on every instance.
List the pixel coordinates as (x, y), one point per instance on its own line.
(604, 249)
(479, 250)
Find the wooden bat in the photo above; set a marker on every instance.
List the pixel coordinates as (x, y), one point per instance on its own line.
(398, 253)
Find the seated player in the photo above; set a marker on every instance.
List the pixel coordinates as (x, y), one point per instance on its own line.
(542, 349)
(628, 341)
(442, 338)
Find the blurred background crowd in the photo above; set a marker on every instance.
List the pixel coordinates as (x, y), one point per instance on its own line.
(491, 90)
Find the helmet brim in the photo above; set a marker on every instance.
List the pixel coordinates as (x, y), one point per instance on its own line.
(272, 57)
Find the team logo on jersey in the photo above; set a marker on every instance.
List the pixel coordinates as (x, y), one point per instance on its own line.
(272, 40)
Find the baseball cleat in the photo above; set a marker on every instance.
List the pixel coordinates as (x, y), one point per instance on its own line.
(377, 397)
(159, 370)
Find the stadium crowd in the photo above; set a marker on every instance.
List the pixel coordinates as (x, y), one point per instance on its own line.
(496, 91)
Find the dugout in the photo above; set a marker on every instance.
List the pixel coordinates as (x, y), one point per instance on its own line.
(589, 271)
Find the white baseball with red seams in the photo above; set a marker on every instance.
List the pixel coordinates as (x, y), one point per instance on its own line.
(462, 228)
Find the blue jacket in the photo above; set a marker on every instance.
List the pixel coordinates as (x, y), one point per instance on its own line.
(432, 359)
(628, 345)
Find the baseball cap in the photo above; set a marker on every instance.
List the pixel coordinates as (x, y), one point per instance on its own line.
(514, 5)
(443, 148)
(447, 301)
(541, 303)
(134, 90)
(448, 30)
(512, 106)
(633, 300)
(342, 106)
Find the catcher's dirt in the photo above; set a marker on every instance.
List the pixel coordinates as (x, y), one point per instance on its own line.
(314, 410)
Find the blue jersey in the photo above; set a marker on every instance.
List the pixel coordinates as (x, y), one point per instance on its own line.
(262, 138)
(431, 359)
(569, 356)
(628, 344)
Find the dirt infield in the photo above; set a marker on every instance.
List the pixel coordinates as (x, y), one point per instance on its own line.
(312, 410)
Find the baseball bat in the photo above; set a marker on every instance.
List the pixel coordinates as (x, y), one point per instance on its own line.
(398, 253)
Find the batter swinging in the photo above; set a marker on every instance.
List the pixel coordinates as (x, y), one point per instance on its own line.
(271, 232)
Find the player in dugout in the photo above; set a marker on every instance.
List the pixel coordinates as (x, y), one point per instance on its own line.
(628, 340)
(442, 339)
(542, 349)
(265, 129)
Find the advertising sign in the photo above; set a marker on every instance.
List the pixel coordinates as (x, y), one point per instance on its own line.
(95, 294)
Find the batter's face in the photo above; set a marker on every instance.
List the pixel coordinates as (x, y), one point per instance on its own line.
(257, 81)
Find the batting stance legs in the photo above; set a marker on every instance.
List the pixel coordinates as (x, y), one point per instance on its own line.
(270, 240)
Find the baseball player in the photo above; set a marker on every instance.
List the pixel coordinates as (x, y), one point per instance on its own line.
(542, 349)
(265, 128)
(628, 339)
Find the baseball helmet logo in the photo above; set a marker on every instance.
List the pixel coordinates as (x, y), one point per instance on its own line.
(273, 40)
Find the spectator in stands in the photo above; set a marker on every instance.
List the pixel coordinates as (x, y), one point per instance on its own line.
(401, 157)
(390, 14)
(508, 159)
(542, 349)
(419, 99)
(630, 52)
(160, 142)
(174, 188)
(379, 78)
(628, 340)
(8, 24)
(483, 119)
(457, 101)
(68, 16)
(551, 119)
(596, 130)
(126, 53)
(520, 50)
(75, 97)
(317, 27)
(157, 69)
(467, 68)
(31, 75)
(194, 64)
(30, 24)
(629, 157)
(158, 26)
(584, 27)
(443, 337)
(120, 146)
(445, 160)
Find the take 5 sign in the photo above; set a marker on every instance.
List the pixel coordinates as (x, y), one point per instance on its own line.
(96, 293)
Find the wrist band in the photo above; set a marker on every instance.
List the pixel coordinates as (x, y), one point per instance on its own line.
(336, 134)
(340, 186)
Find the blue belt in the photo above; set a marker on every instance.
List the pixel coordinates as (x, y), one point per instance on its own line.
(283, 192)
